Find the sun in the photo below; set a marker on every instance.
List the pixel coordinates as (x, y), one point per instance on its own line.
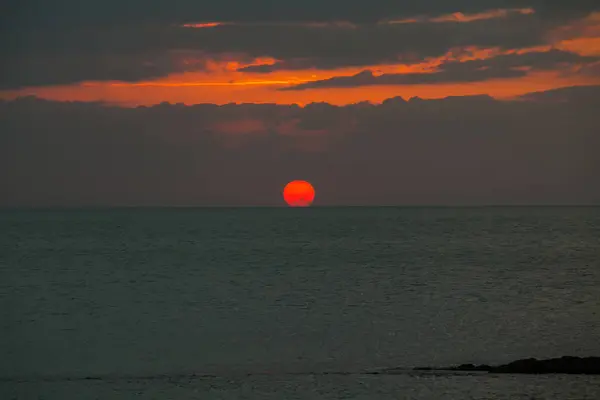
(299, 194)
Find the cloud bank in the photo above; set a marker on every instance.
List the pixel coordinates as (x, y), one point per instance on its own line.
(539, 149)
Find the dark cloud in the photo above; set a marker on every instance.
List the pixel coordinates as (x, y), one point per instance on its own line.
(504, 66)
(68, 41)
(585, 95)
(462, 150)
(137, 53)
(74, 14)
(592, 70)
(562, 10)
(43, 70)
(367, 78)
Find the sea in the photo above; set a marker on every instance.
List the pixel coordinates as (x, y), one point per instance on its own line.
(295, 303)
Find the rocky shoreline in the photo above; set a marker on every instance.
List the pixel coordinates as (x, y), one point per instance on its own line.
(562, 365)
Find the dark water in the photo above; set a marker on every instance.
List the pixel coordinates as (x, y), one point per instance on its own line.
(139, 297)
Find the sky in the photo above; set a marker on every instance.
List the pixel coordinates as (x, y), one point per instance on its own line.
(181, 102)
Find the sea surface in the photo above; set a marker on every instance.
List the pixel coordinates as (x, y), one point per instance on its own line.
(282, 303)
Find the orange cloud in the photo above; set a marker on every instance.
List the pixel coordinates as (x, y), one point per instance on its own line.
(583, 46)
(201, 25)
(584, 28)
(582, 37)
(461, 17)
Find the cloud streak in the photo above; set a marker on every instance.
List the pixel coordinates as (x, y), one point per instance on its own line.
(504, 66)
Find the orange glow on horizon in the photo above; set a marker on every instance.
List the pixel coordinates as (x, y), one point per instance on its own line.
(151, 93)
(299, 194)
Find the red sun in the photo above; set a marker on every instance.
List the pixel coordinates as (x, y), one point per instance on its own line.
(299, 194)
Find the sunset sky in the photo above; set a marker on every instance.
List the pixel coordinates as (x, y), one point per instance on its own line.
(322, 69)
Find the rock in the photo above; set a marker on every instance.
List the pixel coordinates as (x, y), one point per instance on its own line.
(562, 365)
(472, 367)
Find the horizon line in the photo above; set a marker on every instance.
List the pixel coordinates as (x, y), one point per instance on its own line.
(191, 207)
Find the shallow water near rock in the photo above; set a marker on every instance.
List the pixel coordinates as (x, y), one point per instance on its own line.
(129, 293)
